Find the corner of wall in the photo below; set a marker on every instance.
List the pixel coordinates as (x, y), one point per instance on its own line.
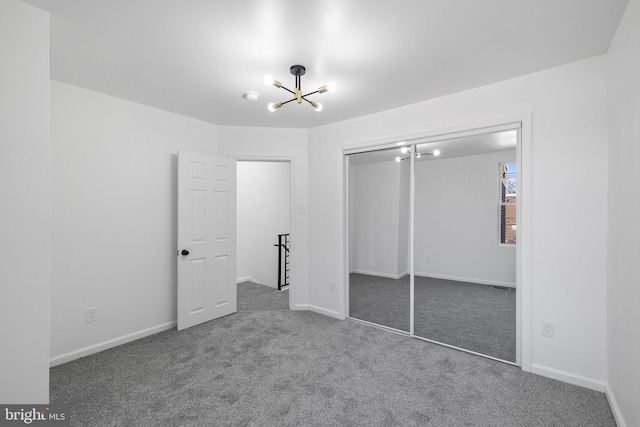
(25, 258)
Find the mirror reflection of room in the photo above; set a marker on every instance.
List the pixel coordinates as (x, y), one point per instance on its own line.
(464, 238)
(379, 245)
(465, 244)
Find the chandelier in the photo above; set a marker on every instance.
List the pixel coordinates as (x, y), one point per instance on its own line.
(298, 71)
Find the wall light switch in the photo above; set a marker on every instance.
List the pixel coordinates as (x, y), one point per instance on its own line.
(302, 210)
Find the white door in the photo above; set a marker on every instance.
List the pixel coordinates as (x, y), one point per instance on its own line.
(206, 238)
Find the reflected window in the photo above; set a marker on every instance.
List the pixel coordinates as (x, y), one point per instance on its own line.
(508, 198)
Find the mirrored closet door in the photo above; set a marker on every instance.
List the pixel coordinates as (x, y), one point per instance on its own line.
(465, 243)
(379, 245)
(464, 234)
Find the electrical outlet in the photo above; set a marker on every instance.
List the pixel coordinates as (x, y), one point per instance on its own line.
(332, 285)
(91, 314)
(547, 328)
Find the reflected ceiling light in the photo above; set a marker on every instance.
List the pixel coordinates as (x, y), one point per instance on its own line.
(405, 150)
(298, 71)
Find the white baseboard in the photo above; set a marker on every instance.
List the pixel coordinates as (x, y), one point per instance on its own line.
(468, 280)
(246, 279)
(568, 377)
(253, 280)
(617, 415)
(378, 274)
(301, 307)
(319, 310)
(96, 348)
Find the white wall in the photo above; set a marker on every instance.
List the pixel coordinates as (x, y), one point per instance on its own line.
(375, 222)
(457, 220)
(569, 136)
(24, 198)
(113, 216)
(624, 210)
(264, 199)
(280, 144)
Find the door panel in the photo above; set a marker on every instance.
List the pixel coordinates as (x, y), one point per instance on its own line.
(464, 291)
(207, 237)
(379, 284)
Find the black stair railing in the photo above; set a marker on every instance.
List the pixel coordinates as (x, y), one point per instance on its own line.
(283, 261)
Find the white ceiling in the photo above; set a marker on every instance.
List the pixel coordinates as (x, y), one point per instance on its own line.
(197, 57)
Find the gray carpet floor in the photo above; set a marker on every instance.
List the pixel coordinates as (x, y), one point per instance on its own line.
(475, 317)
(268, 366)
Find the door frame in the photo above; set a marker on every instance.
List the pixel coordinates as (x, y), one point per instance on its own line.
(523, 212)
(292, 212)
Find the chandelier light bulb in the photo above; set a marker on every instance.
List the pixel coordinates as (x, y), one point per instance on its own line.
(418, 155)
(398, 159)
(404, 150)
(269, 80)
(317, 106)
(329, 87)
(271, 107)
(436, 152)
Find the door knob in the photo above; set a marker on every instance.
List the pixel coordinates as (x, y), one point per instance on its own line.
(185, 252)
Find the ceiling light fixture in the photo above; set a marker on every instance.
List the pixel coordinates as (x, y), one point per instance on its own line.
(298, 71)
(250, 95)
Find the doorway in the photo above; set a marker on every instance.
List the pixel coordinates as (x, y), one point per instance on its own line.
(263, 217)
(432, 240)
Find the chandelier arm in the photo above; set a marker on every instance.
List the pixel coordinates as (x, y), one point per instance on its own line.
(286, 102)
(310, 93)
(288, 90)
(306, 99)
